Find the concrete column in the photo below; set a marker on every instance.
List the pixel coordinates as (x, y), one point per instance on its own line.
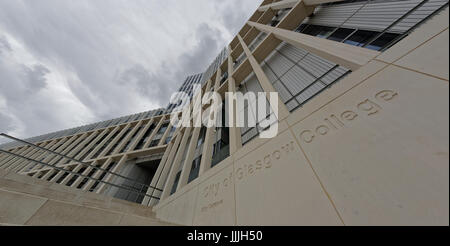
(165, 135)
(187, 165)
(100, 145)
(4, 157)
(32, 155)
(95, 150)
(27, 153)
(114, 141)
(7, 158)
(155, 131)
(126, 138)
(97, 174)
(41, 155)
(150, 190)
(78, 165)
(278, 5)
(57, 162)
(67, 142)
(283, 111)
(108, 177)
(235, 132)
(346, 55)
(205, 163)
(85, 173)
(89, 147)
(141, 134)
(21, 165)
(208, 86)
(161, 180)
(176, 163)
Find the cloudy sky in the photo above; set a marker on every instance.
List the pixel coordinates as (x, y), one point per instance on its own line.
(66, 63)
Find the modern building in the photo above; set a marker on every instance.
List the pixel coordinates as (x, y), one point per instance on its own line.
(188, 88)
(362, 139)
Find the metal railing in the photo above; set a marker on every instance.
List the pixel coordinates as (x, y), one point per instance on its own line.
(141, 192)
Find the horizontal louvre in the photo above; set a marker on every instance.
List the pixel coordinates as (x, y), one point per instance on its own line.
(379, 15)
(310, 92)
(418, 15)
(297, 79)
(292, 53)
(334, 75)
(334, 15)
(316, 65)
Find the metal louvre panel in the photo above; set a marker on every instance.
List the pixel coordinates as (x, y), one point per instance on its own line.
(296, 79)
(279, 64)
(334, 15)
(253, 84)
(334, 75)
(292, 52)
(247, 117)
(283, 92)
(418, 15)
(270, 75)
(292, 105)
(249, 135)
(379, 15)
(310, 92)
(316, 65)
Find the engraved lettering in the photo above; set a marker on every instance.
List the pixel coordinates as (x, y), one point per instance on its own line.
(369, 106)
(349, 115)
(334, 123)
(386, 95)
(267, 161)
(322, 130)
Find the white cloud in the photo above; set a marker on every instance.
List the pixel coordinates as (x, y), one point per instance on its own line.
(68, 63)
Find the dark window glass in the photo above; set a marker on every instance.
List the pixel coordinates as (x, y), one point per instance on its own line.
(195, 169)
(301, 27)
(382, 41)
(360, 38)
(202, 135)
(168, 139)
(319, 31)
(175, 183)
(163, 128)
(340, 34)
(154, 143)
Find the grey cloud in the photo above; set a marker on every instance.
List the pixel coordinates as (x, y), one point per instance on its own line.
(35, 77)
(115, 57)
(6, 123)
(4, 45)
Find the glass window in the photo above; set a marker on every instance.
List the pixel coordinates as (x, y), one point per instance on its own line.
(301, 28)
(201, 137)
(319, 31)
(360, 38)
(382, 41)
(340, 34)
(195, 169)
(154, 143)
(175, 183)
(163, 128)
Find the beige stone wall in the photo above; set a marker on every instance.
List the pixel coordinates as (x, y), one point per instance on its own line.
(371, 150)
(29, 201)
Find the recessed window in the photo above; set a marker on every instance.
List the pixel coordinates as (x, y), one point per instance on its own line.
(319, 31)
(382, 41)
(340, 34)
(360, 38)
